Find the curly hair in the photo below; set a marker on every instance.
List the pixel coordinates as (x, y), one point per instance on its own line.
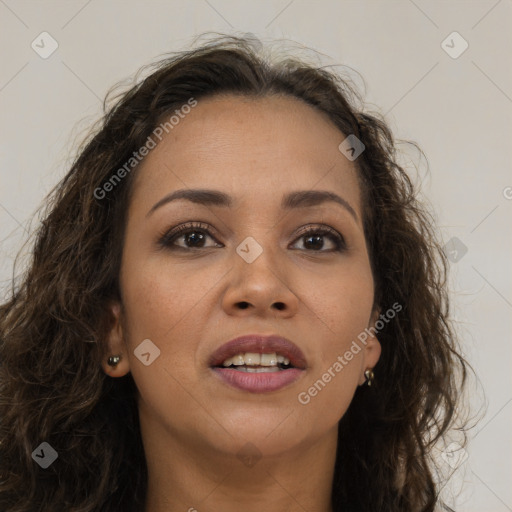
(53, 325)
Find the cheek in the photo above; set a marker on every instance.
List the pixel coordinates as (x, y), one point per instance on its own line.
(340, 305)
(341, 312)
(332, 380)
(163, 304)
(159, 297)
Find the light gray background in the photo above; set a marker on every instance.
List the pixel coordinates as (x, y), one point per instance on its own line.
(458, 110)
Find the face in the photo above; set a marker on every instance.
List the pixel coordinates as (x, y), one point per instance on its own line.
(190, 292)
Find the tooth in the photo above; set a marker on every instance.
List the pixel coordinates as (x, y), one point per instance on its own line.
(268, 359)
(251, 358)
(268, 369)
(238, 360)
(255, 359)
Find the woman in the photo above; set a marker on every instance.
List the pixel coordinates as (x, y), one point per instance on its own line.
(234, 303)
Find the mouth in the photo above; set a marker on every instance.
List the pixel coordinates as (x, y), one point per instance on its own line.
(258, 363)
(254, 362)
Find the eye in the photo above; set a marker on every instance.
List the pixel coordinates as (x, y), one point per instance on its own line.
(192, 234)
(314, 239)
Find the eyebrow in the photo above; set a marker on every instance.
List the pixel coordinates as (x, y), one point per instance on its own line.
(292, 200)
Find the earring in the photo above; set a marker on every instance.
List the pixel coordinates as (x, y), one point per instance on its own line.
(113, 360)
(369, 376)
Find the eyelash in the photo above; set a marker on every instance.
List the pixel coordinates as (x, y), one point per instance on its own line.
(167, 238)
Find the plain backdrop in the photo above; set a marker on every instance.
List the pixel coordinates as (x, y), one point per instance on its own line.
(457, 105)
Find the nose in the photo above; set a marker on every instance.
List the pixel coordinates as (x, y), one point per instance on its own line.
(259, 288)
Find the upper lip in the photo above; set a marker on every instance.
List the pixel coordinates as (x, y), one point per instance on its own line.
(259, 344)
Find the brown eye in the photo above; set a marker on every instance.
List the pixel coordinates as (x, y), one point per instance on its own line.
(314, 239)
(191, 235)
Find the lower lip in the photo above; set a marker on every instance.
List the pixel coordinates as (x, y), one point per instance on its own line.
(258, 382)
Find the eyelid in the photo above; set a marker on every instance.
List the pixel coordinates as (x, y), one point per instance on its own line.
(318, 227)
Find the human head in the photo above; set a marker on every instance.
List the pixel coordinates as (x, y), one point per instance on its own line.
(74, 280)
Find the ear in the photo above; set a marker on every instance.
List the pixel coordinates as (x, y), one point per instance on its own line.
(372, 348)
(116, 344)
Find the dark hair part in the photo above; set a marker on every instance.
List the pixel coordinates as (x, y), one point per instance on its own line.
(53, 327)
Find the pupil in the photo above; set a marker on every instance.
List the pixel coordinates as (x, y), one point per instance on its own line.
(318, 241)
(194, 237)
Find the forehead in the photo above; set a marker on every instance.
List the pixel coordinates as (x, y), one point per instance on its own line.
(257, 148)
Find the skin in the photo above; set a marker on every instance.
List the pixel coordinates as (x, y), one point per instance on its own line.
(190, 302)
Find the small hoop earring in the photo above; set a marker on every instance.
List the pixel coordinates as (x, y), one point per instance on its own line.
(113, 360)
(369, 377)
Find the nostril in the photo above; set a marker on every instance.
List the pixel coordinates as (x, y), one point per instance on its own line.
(278, 305)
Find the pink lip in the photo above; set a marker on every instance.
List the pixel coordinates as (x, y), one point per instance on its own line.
(258, 382)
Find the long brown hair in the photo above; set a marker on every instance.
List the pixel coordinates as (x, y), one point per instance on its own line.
(53, 326)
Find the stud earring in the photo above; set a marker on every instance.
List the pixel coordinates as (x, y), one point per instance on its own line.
(369, 376)
(113, 360)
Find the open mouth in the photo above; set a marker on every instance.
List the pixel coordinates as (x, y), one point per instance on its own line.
(252, 362)
(258, 364)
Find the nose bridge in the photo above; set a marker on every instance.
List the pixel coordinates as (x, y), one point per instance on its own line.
(258, 278)
(256, 261)
(258, 231)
